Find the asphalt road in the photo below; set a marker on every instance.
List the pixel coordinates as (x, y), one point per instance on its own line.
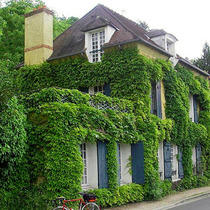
(201, 204)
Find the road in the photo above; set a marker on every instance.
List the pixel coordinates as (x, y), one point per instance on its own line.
(201, 204)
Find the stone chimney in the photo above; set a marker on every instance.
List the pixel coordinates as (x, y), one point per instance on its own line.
(38, 36)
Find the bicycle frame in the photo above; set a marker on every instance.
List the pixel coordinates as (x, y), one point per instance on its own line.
(72, 200)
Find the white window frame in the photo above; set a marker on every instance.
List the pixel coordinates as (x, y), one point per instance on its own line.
(126, 177)
(160, 157)
(174, 162)
(191, 111)
(91, 165)
(85, 164)
(97, 41)
(108, 32)
(96, 89)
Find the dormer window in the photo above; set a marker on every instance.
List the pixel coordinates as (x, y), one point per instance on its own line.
(97, 33)
(97, 41)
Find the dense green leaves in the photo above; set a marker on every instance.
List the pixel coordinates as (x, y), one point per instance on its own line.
(61, 119)
(12, 27)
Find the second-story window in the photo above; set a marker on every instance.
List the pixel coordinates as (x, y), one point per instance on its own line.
(155, 95)
(96, 89)
(193, 114)
(153, 99)
(97, 41)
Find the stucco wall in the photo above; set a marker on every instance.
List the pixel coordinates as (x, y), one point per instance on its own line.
(38, 38)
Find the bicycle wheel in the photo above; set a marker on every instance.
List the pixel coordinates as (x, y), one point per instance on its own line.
(90, 206)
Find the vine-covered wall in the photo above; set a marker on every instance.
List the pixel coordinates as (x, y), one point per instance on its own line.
(59, 120)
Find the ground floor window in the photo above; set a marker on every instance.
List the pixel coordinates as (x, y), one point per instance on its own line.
(84, 159)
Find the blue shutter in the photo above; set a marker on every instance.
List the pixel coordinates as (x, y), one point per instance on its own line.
(84, 89)
(137, 154)
(158, 94)
(102, 165)
(118, 161)
(195, 105)
(167, 160)
(180, 165)
(107, 90)
(198, 159)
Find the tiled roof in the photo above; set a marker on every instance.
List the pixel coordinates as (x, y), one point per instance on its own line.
(72, 41)
(154, 33)
(158, 32)
(189, 64)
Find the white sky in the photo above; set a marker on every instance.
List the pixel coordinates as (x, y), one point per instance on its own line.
(187, 20)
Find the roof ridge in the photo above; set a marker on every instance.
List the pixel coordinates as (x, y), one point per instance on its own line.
(109, 11)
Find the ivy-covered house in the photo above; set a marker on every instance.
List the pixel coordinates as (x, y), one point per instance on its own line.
(129, 121)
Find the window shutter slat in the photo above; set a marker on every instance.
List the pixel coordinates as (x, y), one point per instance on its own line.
(137, 154)
(107, 90)
(167, 161)
(180, 165)
(198, 159)
(159, 106)
(195, 105)
(102, 165)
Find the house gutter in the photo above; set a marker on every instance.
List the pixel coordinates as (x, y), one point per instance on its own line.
(194, 67)
(65, 56)
(117, 44)
(139, 40)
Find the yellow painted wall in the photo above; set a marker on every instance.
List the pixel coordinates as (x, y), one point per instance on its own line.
(195, 73)
(38, 32)
(150, 52)
(37, 56)
(143, 50)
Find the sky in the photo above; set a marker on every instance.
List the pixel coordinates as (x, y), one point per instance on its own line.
(187, 20)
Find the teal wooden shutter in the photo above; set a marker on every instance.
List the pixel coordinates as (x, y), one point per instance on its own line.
(84, 89)
(153, 98)
(118, 161)
(195, 107)
(107, 90)
(198, 159)
(167, 160)
(159, 106)
(137, 154)
(180, 165)
(102, 165)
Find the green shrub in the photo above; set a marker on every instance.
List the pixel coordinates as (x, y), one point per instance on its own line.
(120, 196)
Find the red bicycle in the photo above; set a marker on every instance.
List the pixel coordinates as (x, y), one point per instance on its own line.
(87, 203)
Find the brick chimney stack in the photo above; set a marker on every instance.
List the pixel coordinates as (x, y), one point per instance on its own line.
(38, 36)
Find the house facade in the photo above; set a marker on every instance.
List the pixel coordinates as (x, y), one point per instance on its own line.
(98, 32)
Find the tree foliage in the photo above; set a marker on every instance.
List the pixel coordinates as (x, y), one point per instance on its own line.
(60, 24)
(12, 27)
(204, 61)
(144, 25)
(5, 82)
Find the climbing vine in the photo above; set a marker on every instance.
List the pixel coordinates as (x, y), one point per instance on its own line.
(60, 119)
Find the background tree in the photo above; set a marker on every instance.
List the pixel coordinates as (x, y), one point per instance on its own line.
(144, 25)
(60, 24)
(12, 27)
(204, 62)
(5, 82)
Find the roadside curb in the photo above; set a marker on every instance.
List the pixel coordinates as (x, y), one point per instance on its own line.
(183, 201)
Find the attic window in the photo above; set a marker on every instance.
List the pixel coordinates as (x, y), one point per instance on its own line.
(168, 45)
(97, 41)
